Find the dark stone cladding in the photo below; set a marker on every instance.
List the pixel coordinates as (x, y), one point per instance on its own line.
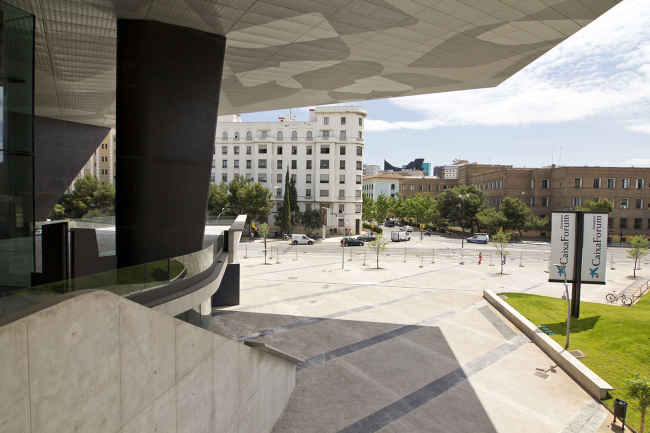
(167, 100)
(61, 149)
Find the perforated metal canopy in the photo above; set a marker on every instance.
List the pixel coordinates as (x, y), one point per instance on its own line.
(290, 53)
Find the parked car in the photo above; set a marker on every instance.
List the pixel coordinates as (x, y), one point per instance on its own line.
(301, 239)
(479, 238)
(399, 236)
(366, 237)
(389, 223)
(351, 242)
(408, 229)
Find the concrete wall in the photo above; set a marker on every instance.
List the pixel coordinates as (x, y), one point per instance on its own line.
(589, 380)
(96, 362)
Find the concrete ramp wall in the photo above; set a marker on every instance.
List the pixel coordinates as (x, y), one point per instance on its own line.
(96, 362)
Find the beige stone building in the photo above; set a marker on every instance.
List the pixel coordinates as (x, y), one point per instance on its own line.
(102, 162)
(555, 188)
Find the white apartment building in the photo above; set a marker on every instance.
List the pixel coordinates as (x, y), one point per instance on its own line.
(324, 155)
(370, 170)
(382, 183)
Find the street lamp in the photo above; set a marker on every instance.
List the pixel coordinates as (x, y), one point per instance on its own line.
(562, 270)
(462, 223)
(223, 211)
(517, 222)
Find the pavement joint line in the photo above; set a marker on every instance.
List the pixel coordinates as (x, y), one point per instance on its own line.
(264, 287)
(377, 339)
(313, 320)
(496, 321)
(396, 410)
(313, 295)
(292, 269)
(533, 287)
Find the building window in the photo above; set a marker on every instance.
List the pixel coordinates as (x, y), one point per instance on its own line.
(428, 187)
(611, 183)
(248, 163)
(308, 193)
(324, 178)
(326, 135)
(326, 120)
(341, 178)
(420, 187)
(623, 223)
(341, 223)
(342, 165)
(341, 194)
(358, 193)
(249, 136)
(224, 150)
(279, 164)
(249, 176)
(359, 165)
(342, 150)
(576, 201)
(596, 182)
(532, 201)
(342, 120)
(624, 203)
(324, 192)
(360, 121)
(625, 183)
(261, 163)
(544, 183)
(324, 163)
(294, 150)
(261, 177)
(224, 136)
(360, 136)
(544, 201)
(437, 187)
(357, 208)
(411, 187)
(279, 192)
(264, 134)
(359, 151)
(249, 150)
(236, 163)
(224, 163)
(309, 164)
(637, 223)
(596, 199)
(212, 178)
(532, 184)
(577, 182)
(279, 178)
(279, 150)
(324, 150)
(308, 150)
(308, 178)
(280, 136)
(213, 164)
(236, 136)
(358, 179)
(639, 184)
(236, 150)
(638, 203)
(343, 136)
(294, 164)
(309, 137)
(294, 177)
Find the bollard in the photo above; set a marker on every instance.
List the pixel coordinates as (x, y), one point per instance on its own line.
(277, 256)
(612, 262)
(521, 259)
(491, 260)
(364, 257)
(461, 257)
(433, 255)
(404, 254)
(271, 253)
(246, 254)
(296, 253)
(350, 259)
(421, 259)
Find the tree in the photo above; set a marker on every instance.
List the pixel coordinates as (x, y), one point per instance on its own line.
(418, 206)
(382, 208)
(602, 205)
(285, 211)
(535, 223)
(310, 221)
(500, 241)
(88, 195)
(368, 209)
(452, 207)
(638, 388)
(491, 220)
(263, 230)
(218, 198)
(293, 201)
(515, 211)
(397, 207)
(254, 200)
(379, 245)
(639, 249)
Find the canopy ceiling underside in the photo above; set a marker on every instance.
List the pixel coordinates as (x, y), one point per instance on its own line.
(292, 53)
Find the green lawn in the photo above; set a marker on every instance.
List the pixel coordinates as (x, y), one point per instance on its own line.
(615, 340)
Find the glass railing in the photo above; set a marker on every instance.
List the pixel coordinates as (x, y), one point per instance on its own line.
(123, 282)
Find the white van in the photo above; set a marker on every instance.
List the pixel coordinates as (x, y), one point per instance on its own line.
(301, 239)
(479, 238)
(399, 236)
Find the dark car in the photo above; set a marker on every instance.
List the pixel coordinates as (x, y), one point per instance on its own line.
(366, 237)
(389, 223)
(351, 242)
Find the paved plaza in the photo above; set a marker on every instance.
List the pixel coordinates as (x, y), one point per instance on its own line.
(406, 348)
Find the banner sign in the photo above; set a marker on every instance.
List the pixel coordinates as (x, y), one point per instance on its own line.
(594, 248)
(563, 245)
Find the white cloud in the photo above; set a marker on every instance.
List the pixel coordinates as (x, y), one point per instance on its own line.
(640, 128)
(603, 70)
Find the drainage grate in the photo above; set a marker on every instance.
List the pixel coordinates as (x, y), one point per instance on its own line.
(546, 330)
(503, 297)
(577, 353)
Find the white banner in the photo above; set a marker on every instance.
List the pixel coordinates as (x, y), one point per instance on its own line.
(563, 245)
(594, 248)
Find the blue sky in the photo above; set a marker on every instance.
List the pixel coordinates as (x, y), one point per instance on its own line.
(588, 98)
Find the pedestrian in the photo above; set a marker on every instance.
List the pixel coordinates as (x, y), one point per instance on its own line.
(620, 237)
(252, 236)
(504, 259)
(480, 257)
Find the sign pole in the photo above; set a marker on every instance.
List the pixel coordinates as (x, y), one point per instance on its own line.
(577, 268)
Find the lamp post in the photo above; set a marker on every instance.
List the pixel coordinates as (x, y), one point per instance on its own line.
(462, 223)
(517, 222)
(223, 211)
(568, 303)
